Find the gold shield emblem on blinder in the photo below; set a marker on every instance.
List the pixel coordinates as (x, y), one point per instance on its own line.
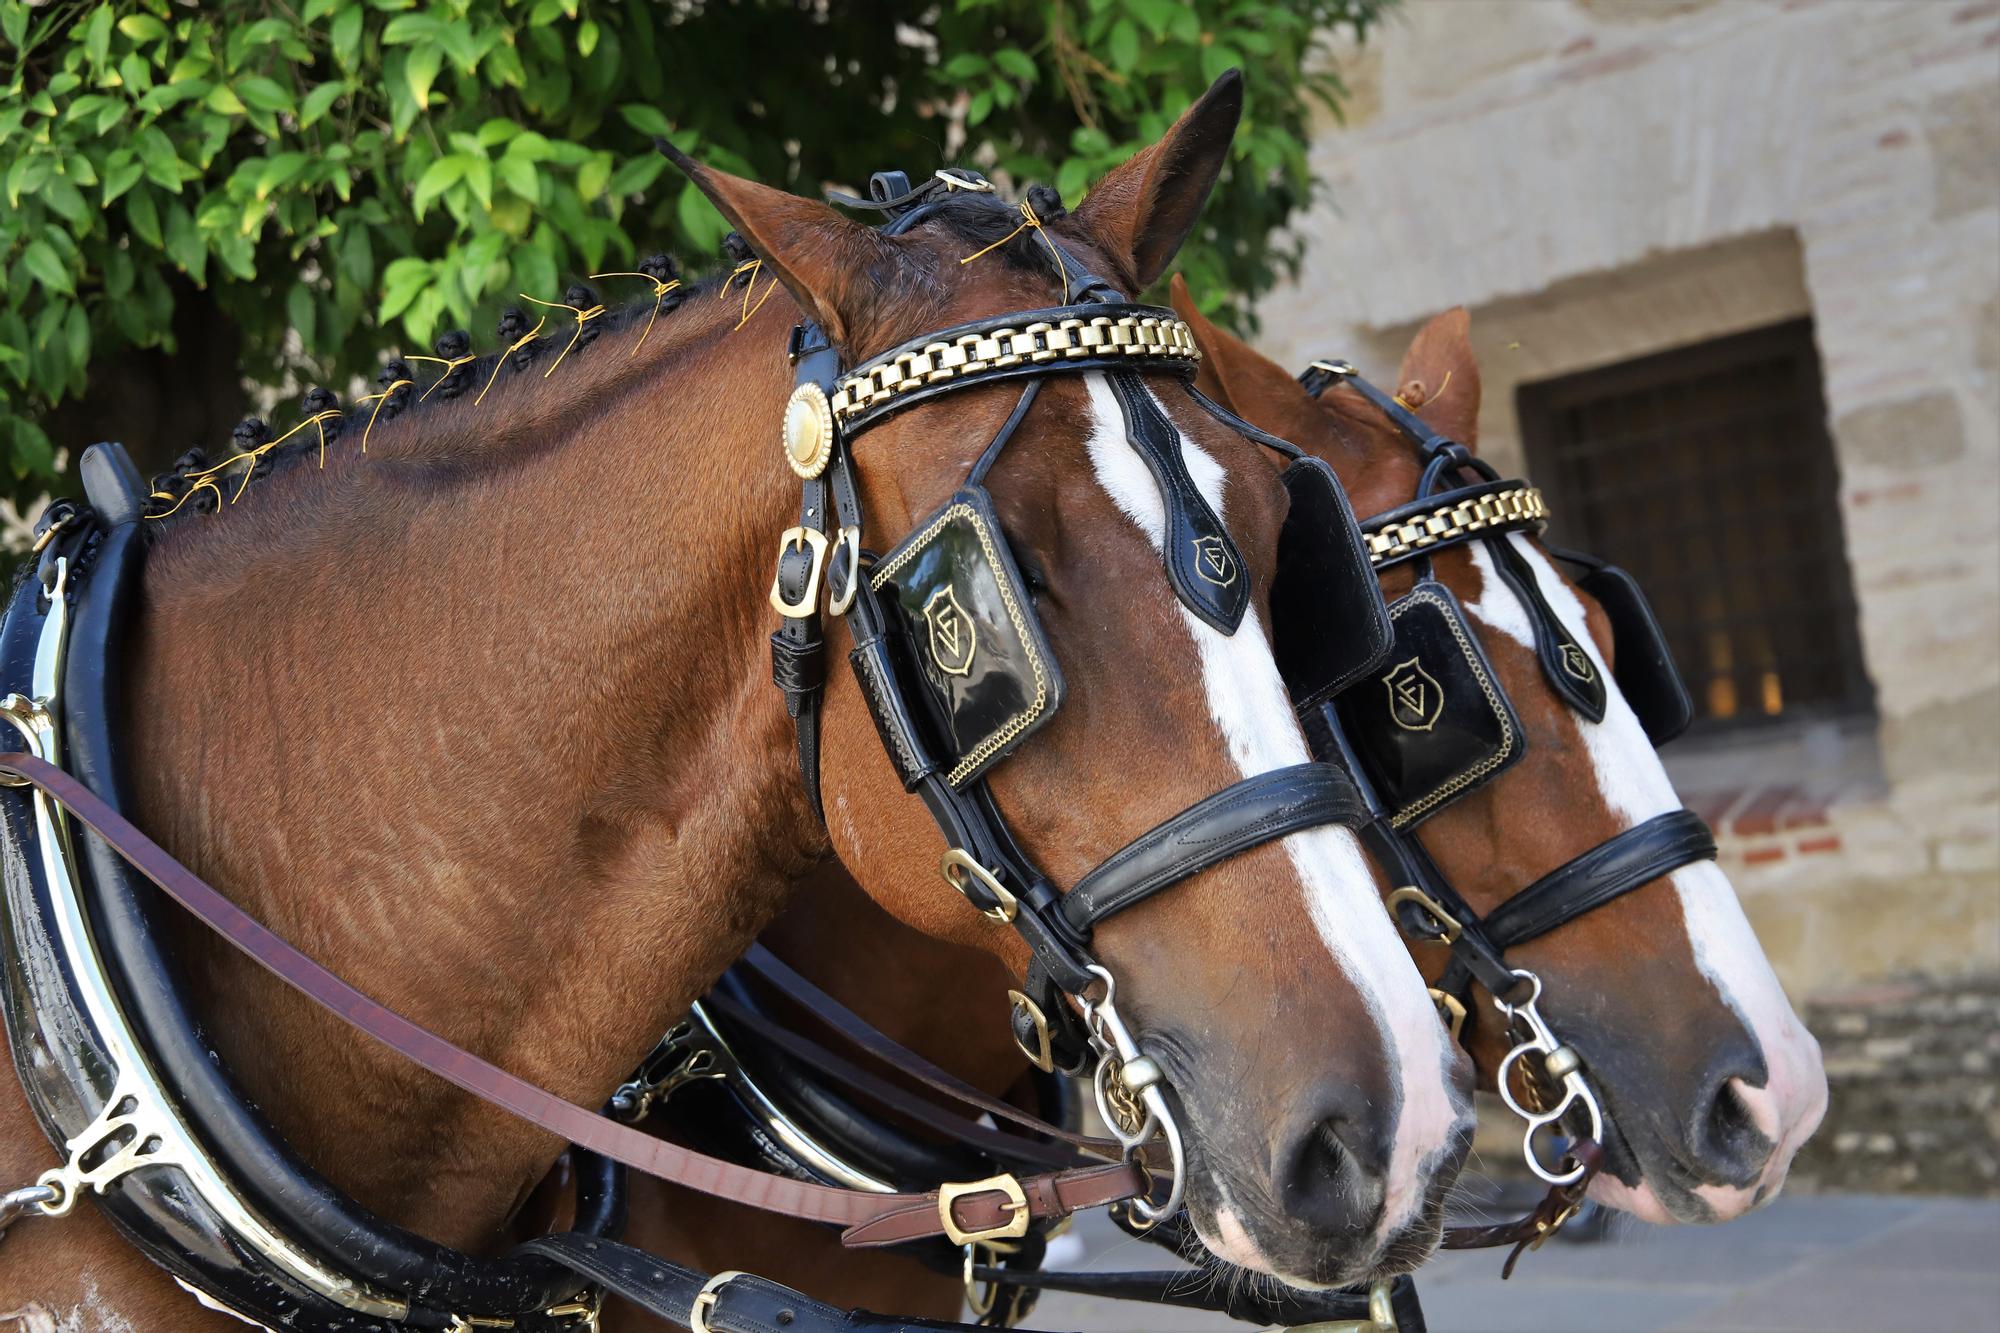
(954, 638)
(1415, 697)
(1577, 663)
(1212, 561)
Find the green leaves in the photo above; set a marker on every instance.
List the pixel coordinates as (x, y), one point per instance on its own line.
(364, 172)
(44, 266)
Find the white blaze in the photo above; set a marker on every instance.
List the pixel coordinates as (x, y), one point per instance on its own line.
(1635, 785)
(1248, 703)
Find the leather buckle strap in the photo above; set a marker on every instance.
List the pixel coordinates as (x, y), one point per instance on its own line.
(1637, 856)
(1014, 1208)
(1243, 815)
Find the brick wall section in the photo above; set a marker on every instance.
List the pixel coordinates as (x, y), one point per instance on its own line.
(1598, 180)
(1914, 1100)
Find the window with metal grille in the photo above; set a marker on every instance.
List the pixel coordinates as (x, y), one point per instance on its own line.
(1708, 473)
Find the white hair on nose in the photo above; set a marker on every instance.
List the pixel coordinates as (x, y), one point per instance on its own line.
(1248, 703)
(1635, 785)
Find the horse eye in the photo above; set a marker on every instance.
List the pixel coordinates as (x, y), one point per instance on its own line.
(1032, 578)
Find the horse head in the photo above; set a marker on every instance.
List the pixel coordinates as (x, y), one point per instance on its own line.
(1709, 1080)
(1114, 558)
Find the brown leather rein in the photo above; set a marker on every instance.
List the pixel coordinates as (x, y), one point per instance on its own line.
(998, 1205)
(868, 1219)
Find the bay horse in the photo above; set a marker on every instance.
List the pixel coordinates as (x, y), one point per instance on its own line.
(1704, 1112)
(1711, 1082)
(472, 711)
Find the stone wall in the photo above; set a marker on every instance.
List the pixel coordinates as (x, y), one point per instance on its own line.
(1913, 1104)
(1602, 179)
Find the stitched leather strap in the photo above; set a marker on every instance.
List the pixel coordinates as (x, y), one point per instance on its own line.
(857, 1030)
(1637, 856)
(1203, 564)
(1013, 1149)
(871, 1219)
(1235, 819)
(742, 1304)
(1251, 1302)
(1528, 1233)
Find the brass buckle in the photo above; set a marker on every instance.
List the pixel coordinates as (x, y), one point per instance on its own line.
(1381, 1315)
(849, 540)
(1450, 1009)
(795, 539)
(705, 1299)
(950, 1193)
(51, 532)
(1544, 1230)
(958, 863)
(1043, 1057)
(1449, 929)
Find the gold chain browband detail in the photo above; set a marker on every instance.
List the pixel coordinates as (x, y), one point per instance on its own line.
(1514, 508)
(997, 349)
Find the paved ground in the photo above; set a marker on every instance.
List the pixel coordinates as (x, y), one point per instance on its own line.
(1832, 1264)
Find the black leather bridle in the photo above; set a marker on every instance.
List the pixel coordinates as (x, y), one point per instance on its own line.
(1430, 908)
(985, 863)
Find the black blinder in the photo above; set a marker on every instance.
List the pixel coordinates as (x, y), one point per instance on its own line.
(1329, 624)
(971, 633)
(1642, 662)
(1435, 723)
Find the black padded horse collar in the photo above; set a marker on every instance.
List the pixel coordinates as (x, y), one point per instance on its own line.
(220, 1201)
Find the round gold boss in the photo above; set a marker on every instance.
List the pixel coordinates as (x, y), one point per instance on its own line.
(808, 431)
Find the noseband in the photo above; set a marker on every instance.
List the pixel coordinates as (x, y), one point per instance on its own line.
(1445, 727)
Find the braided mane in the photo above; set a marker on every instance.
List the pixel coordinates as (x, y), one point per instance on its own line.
(547, 340)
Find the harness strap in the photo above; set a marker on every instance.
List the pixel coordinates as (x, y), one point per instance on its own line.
(1528, 1233)
(725, 1303)
(1011, 1148)
(1609, 870)
(1243, 815)
(870, 1219)
(857, 1030)
(1251, 1302)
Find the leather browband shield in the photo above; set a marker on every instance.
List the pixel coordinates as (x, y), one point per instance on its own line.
(1243, 815)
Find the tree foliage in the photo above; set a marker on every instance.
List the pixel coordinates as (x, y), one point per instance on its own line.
(353, 172)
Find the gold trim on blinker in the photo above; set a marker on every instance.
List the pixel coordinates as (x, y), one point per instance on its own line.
(1035, 706)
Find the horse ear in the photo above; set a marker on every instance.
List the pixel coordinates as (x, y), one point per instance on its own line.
(830, 264)
(1143, 210)
(1439, 378)
(1244, 380)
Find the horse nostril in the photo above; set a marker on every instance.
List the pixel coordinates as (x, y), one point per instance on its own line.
(1327, 1187)
(1731, 1141)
